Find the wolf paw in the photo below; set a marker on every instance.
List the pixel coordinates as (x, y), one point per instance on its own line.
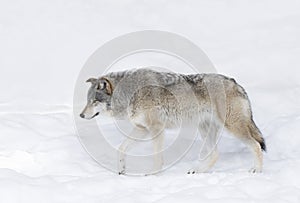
(121, 172)
(255, 170)
(201, 169)
(193, 171)
(121, 167)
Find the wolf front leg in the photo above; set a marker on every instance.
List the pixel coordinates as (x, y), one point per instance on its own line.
(158, 141)
(131, 140)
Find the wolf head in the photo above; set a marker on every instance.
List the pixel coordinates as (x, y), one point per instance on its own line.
(98, 98)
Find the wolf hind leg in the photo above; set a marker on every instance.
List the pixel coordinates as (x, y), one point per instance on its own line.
(249, 134)
(208, 155)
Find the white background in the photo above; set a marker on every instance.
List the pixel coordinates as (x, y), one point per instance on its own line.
(43, 46)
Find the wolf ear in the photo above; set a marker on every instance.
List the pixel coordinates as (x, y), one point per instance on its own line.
(105, 84)
(92, 80)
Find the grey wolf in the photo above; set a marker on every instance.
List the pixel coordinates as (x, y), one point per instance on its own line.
(154, 101)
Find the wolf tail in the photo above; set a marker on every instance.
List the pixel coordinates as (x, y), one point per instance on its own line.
(256, 134)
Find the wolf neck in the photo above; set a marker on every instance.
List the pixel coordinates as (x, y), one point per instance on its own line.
(119, 102)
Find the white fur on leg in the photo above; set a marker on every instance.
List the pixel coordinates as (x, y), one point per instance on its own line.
(208, 153)
(126, 145)
(258, 158)
(158, 157)
(122, 155)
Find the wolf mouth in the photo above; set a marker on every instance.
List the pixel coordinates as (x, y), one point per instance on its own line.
(96, 114)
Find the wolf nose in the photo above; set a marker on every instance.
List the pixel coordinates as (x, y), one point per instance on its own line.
(81, 115)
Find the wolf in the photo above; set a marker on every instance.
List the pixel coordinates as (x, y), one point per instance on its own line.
(156, 100)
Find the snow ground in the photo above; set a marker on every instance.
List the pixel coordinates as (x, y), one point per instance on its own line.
(44, 44)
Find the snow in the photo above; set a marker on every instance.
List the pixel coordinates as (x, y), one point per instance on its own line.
(44, 44)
